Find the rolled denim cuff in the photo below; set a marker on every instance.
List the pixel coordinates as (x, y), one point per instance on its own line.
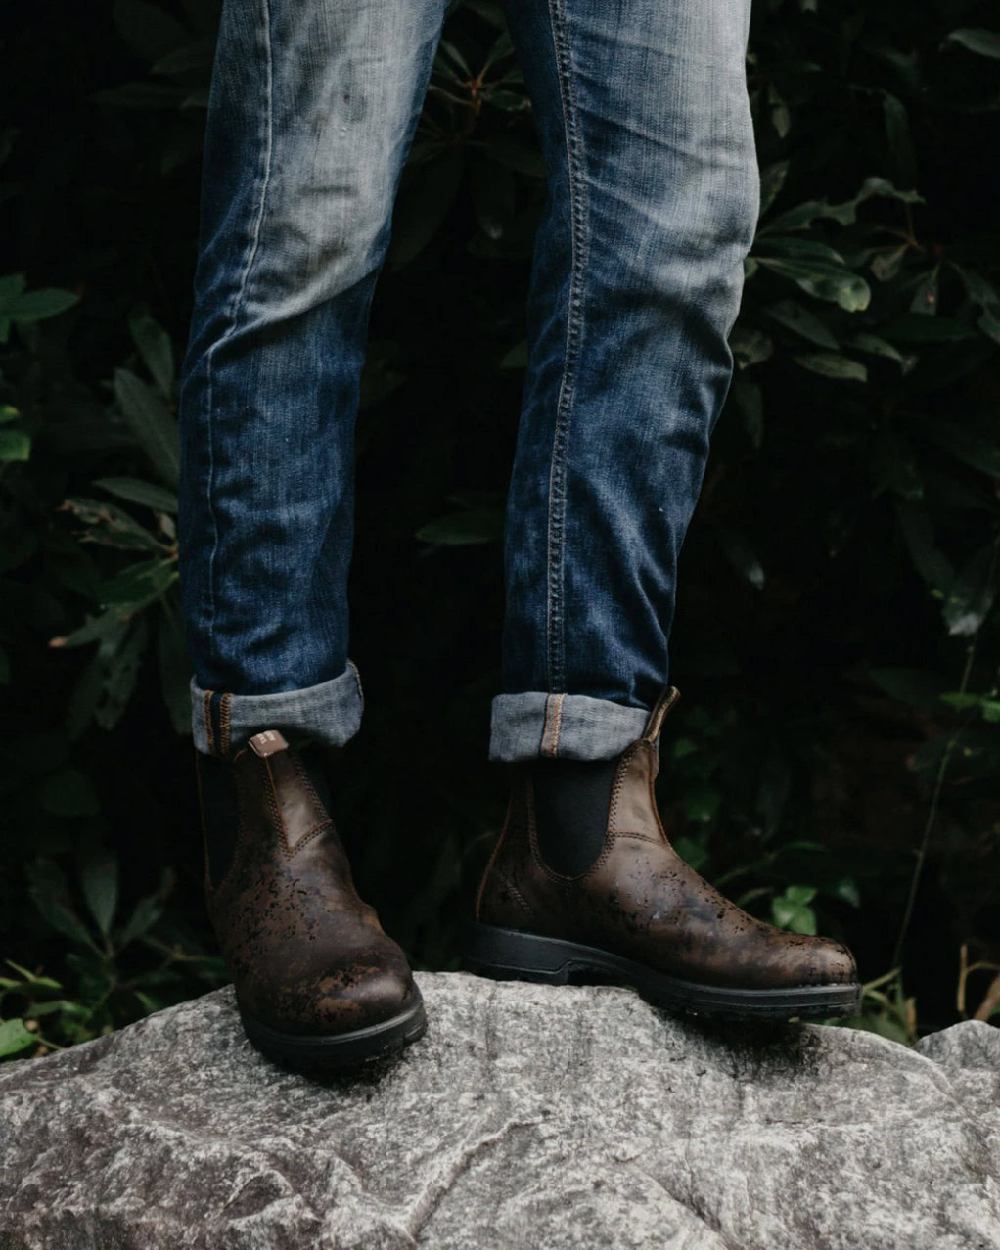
(561, 726)
(331, 711)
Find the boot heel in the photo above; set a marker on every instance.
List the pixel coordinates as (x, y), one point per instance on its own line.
(509, 955)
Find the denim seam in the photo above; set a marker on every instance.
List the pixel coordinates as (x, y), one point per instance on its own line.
(357, 682)
(225, 722)
(207, 720)
(239, 300)
(552, 727)
(555, 622)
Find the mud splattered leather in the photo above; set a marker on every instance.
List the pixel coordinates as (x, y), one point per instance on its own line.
(640, 900)
(307, 955)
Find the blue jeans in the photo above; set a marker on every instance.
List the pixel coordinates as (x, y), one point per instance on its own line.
(643, 115)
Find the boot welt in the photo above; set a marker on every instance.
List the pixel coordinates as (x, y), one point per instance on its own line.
(508, 954)
(335, 1052)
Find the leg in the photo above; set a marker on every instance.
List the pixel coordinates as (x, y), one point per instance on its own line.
(644, 119)
(312, 109)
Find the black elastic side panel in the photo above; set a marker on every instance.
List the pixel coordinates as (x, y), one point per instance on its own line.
(221, 813)
(571, 811)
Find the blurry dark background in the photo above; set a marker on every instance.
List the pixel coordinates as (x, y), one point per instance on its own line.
(834, 761)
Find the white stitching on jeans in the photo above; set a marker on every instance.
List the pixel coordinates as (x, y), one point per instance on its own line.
(240, 295)
(556, 647)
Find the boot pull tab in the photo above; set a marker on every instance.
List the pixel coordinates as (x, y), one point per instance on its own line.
(654, 723)
(268, 742)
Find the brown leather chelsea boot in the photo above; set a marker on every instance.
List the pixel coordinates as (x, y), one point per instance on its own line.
(631, 911)
(319, 984)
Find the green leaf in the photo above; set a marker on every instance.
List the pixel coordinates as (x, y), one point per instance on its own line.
(153, 344)
(750, 346)
(136, 491)
(846, 889)
(873, 345)
(144, 916)
(924, 300)
(15, 1038)
(988, 708)
(803, 323)
(174, 666)
(11, 286)
(917, 687)
(109, 525)
(899, 141)
(517, 155)
(138, 584)
(791, 910)
(38, 305)
(517, 357)
(99, 880)
(151, 422)
(108, 628)
(798, 248)
(59, 1005)
(748, 399)
(692, 852)
(825, 282)
(830, 366)
(975, 39)
(965, 445)
(119, 676)
(48, 890)
(969, 597)
(772, 179)
(14, 445)
(32, 978)
(448, 52)
(459, 529)
(844, 214)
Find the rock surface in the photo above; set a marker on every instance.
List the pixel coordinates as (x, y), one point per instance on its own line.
(528, 1118)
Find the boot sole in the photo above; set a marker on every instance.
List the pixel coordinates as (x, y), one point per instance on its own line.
(337, 1052)
(508, 954)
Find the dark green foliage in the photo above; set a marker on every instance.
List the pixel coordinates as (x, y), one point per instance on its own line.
(833, 764)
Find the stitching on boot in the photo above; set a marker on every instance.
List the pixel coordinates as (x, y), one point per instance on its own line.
(505, 833)
(327, 822)
(619, 781)
(271, 799)
(512, 888)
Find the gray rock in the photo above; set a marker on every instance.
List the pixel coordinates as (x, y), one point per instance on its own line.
(529, 1117)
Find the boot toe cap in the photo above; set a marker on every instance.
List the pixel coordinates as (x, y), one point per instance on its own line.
(830, 963)
(344, 994)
